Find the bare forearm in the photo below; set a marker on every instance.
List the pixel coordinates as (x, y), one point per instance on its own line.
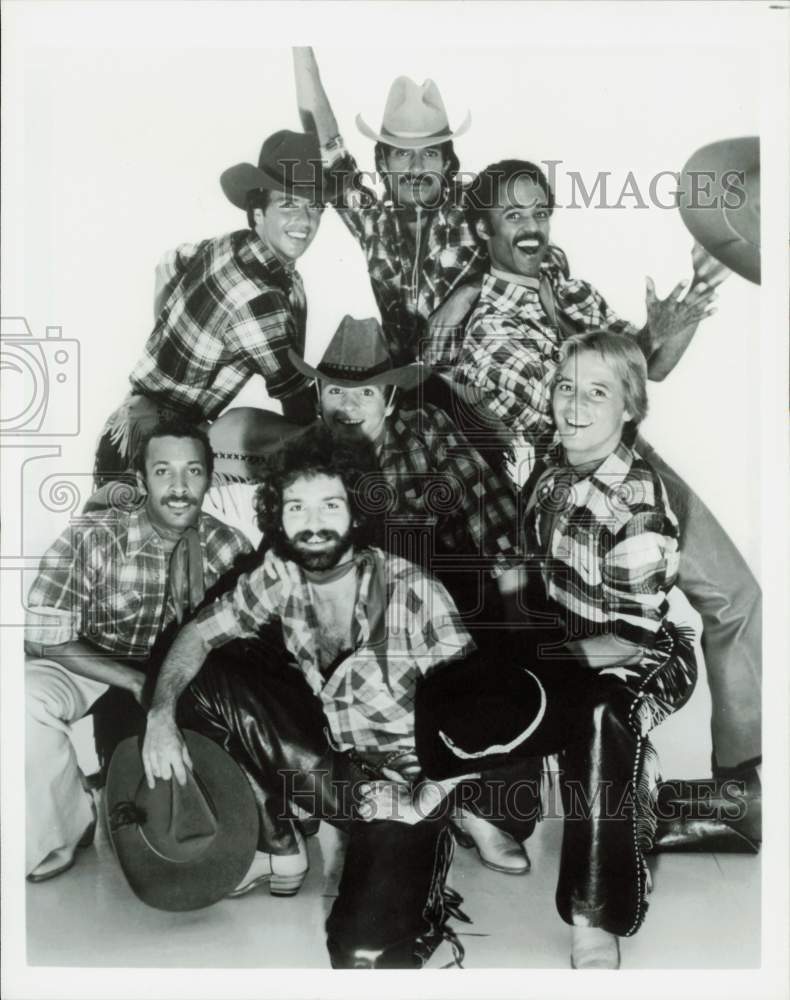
(182, 664)
(85, 660)
(661, 361)
(315, 110)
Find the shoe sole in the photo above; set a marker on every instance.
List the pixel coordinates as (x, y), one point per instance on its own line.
(279, 885)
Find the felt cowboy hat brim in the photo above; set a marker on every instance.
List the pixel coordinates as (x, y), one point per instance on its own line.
(405, 377)
(719, 202)
(181, 848)
(242, 440)
(406, 141)
(289, 162)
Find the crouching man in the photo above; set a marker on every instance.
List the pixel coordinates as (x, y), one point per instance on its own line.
(108, 589)
(361, 626)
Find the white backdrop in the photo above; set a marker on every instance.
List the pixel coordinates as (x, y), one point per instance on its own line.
(118, 119)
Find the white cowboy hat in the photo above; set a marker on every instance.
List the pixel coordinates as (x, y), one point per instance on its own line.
(414, 117)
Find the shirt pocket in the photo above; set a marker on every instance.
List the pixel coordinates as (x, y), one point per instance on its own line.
(124, 612)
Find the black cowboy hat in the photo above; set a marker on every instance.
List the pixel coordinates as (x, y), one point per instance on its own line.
(181, 847)
(357, 355)
(289, 162)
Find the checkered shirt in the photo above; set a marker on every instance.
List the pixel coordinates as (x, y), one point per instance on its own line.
(235, 312)
(369, 699)
(106, 579)
(608, 542)
(511, 347)
(442, 479)
(407, 292)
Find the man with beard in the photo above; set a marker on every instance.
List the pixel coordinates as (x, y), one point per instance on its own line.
(508, 361)
(361, 627)
(111, 586)
(229, 307)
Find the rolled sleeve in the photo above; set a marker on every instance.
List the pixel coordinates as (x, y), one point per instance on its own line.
(240, 613)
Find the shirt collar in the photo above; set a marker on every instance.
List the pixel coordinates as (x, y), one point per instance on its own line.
(269, 259)
(608, 474)
(515, 279)
(141, 532)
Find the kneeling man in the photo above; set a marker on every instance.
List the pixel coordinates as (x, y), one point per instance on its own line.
(361, 626)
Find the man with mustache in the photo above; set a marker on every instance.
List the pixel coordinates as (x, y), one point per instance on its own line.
(361, 627)
(508, 360)
(424, 260)
(229, 307)
(113, 585)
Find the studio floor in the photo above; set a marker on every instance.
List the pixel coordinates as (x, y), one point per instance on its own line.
(704, 913)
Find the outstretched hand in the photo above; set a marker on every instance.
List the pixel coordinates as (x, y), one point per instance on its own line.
(678, 312)
(165, 753)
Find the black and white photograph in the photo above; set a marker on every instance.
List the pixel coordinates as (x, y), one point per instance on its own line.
(394, 499)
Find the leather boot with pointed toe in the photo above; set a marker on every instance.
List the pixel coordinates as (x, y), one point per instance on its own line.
(594, 948)
(497, 849)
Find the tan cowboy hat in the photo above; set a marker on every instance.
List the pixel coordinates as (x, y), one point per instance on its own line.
(719, 201)
(288, 161)
(414, 117)
(357, 355)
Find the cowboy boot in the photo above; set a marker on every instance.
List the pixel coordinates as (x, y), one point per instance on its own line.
(722, 814)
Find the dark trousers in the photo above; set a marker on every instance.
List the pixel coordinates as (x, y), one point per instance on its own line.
(598, 725)
(389, 912)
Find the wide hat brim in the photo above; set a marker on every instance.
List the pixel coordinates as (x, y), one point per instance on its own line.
(707, 187)
(237, 182)
(244, 438)
(208, 877)
(474, 715)
(412, 141)
(405, 377)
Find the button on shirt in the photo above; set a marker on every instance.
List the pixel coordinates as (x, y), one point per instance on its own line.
(105, 579)
(369, 698)
(511, 347)
(608, 542)
(233, 310)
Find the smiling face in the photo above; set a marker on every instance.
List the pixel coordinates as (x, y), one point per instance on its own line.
(288, 224)
(316, 522)
(415, 175)
(589, 409)
(516, 229)
(176, 480)
(358, 411)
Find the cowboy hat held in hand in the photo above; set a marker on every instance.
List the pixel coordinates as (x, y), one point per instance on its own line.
(181, 847)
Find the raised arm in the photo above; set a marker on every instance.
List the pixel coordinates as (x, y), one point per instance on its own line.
(315, 110)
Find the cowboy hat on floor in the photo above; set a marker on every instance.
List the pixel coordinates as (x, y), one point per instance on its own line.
(181, 847)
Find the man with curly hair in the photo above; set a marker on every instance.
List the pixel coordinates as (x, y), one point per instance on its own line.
(360, 626)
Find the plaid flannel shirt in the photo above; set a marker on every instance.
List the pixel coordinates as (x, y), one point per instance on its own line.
(233, 310)
(511, 347)
(409, 282)
(369, 699)
(608, 542)
(440, 477)
(106, 579)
